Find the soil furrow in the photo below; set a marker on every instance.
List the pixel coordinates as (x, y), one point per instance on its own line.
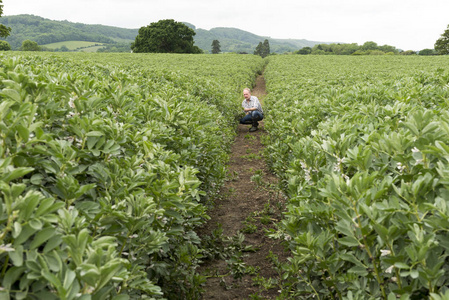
(249, 205)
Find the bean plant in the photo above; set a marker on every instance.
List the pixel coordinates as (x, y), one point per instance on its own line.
(362, 148)
(106, 169)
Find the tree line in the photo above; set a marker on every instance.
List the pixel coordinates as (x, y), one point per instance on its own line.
(368, 48)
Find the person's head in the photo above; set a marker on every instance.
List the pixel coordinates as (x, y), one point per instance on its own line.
(247, 93)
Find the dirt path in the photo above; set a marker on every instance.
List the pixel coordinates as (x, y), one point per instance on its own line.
(250, 204)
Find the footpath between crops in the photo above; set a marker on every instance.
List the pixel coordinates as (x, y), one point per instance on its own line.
(244, 258)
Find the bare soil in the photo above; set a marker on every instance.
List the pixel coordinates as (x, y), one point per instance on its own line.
(245, 201)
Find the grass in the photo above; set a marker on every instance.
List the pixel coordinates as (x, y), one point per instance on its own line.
(72, 45)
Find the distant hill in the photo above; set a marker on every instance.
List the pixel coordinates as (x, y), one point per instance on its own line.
(236, 40)
(46, 31)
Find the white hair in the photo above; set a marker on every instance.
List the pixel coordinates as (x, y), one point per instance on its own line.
(247, 89)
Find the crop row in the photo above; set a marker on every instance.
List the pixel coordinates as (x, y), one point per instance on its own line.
(105, 169)
(362, 148)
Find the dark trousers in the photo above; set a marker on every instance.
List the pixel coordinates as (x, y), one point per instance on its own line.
(252, 118)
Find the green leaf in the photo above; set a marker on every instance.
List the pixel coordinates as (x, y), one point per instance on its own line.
(52, 243)
(95, 133)
(90, 274)
(36, 179)
(52, 279)
(17, 256)
(23, 132)
(4, 108)
(351, 258)
(16, 173)
(12, 94)
(48, 206)
(401, 265)
(361, 271)
(17, 229)
(349, 241)
(391, 296)
(36, 224)
(68, 279)
(24, 235)
(121, 297)
(414, 274)
(42, 236)
(11, 276)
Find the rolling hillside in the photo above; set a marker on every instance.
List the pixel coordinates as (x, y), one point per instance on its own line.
(236, 40)
(45, 32)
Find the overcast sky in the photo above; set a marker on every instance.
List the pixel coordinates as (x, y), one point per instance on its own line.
(405, 24)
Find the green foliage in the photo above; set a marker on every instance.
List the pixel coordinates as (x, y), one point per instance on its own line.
(215, 47)
(442, 44)
(408, 52)
(263, 49)
(45, 31)
(4, 46)
(165, 36)
(237, 41)
(104, 170)
(361, 144)
(305, 51)
(368, 48)
(428, 52)
(4, 31)
(30, 46)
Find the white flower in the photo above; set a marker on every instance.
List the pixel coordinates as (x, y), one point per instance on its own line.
(72, 102)
(400, 167)
(6, 248)
(389, 270)
(385, 252)
(415, 150)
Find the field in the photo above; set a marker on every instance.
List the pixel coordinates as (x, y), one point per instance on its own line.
(361, 147)
(109, 163)
(73, 45)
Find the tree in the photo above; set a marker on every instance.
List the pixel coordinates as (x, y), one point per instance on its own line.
(28, 45)
(427, 52)
(263, 49)
(370, 46)
(442, 44)
(408, 52)
(258, 50)
(305, 50)
(4, 31)
(4, 46)
(215, 47)
(266, 48)
(64, 48)
(165, 36)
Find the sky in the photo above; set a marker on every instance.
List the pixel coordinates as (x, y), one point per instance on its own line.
(405, 24)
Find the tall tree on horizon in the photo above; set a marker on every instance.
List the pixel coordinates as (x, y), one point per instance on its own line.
(165, 36)
(266, 48)
(215, 47)
(4, 31)
(442, 44)
(263, 49)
